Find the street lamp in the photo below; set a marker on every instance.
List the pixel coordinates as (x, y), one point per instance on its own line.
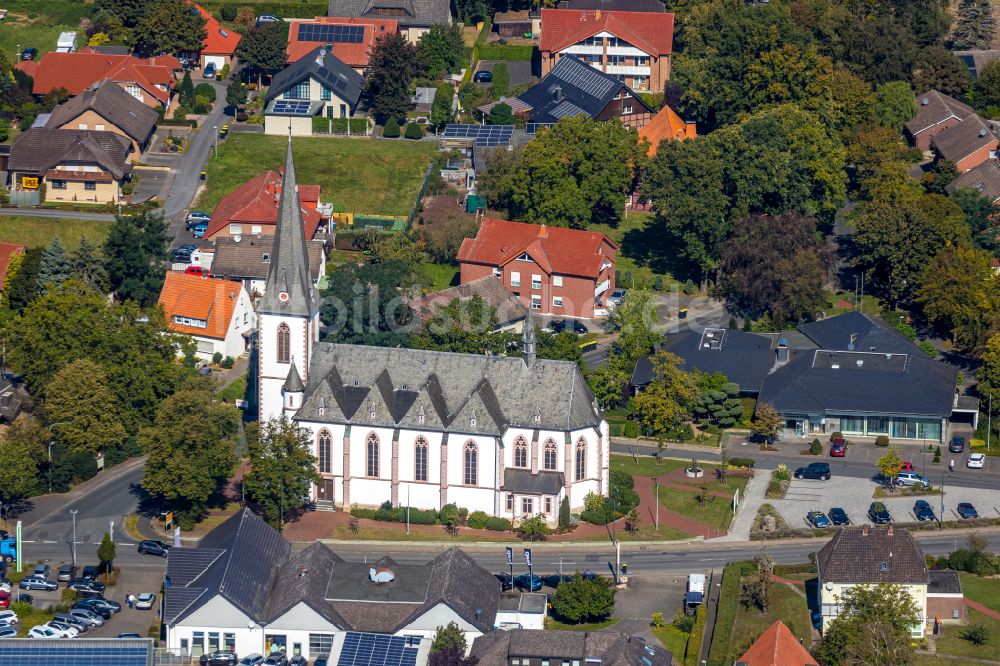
(73, 513)
(215, 140)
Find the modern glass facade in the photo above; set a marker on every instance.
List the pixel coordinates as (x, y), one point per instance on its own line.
(896, 427)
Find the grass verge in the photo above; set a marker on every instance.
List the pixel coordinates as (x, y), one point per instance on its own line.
(38, 23)
(953, 645)
(39, 231)
(673, 639)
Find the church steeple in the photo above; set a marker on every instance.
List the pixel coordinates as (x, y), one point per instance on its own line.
(528, 340)
(289, 289)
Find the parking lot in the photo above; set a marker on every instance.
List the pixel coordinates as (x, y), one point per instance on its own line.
(519, 71)
(854, 495)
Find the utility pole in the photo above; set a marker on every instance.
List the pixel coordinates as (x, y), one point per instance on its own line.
(657, 484)
(73, 513)
(989, 422)
(407, 508)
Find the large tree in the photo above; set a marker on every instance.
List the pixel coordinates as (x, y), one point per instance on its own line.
(170, 26)
(960, 293)
(989, 378)
(190, 451)
(364, 304)
(441, 50)
(975, 27)
(134, 255)
(392, 64)
(982, 216)
(55, 267)
(128, 11)
(262, 49)
(23, 288)
(895, 104)
(775, 265)
(667, 399)
(938, 68)
(80, 400)
(282, 467)
(22, 448)
(86, 264)
(873, 627)
(583, 599)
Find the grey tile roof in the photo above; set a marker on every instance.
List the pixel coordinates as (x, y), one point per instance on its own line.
(448, 390)
(933, 108)
(326, 68)
(573, 88)
(289, 289)
(245, 259)
(411, 12)
(944, 582)
(40, 149)
(745, 358)
(303, 579)
(609, 648)
(879, 556)
(523, 481)
(111, 102)
(963, 139)
(509, 307)
(984, 178)
(868, 334)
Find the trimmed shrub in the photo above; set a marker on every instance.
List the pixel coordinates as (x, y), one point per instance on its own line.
(693, 651)
(227, 12)
(217, 358)
(228, 362)
(205, 90)
(836, 435)
(414, 131)
(742, 462)
(497, 524)
(391, 129)
(477, 520)
(630, 429)
(449, 514)
(815, 448)
(882, 440)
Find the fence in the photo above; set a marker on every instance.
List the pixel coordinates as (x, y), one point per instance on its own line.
(359, 221)
(25, 198)
(420, 195)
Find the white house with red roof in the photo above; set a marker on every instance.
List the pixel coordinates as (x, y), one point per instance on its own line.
(217, 314)
(635, 47)
(219, 46)
(350, 40)
(554, 271)
(252, 209)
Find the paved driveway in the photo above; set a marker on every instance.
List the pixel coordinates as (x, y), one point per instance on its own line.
(519, 70)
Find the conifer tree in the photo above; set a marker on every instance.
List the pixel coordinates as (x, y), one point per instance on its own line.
(975, 26)
(54, 268)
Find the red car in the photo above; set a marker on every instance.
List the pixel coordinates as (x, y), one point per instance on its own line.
(838, 449)
(905, 466)
(4, 599)
(198, 270)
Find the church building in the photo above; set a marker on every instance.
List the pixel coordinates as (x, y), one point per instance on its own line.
(508, 435)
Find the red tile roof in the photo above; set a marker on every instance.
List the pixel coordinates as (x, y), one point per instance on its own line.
(197, 297)
(653, 32)
(218, 40)
(78, 71)
(555, 249)
(666, 124)
(353, 55)
(777, 646)
(7, 251)
(256, 202)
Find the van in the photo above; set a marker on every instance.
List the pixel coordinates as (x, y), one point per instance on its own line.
(910, 479)
(694, 595)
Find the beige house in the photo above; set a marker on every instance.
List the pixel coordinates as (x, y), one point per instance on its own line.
(317, 85)
(109, 108)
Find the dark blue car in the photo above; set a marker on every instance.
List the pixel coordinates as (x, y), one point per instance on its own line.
(967, 511)
(818, 519)
(532, 584)
(839, 517)
(922, 511)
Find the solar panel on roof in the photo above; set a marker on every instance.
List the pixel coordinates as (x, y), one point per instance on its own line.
(290, 106)
(331, 34)
(82, 652)
(482, 135)
(362, 649)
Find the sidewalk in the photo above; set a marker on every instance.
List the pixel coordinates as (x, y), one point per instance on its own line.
(752, 499)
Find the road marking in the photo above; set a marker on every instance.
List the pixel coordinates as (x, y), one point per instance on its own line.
(50, 542)
(26, 541)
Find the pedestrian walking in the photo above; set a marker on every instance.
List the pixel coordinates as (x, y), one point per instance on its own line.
(951, 465)
(128, 599)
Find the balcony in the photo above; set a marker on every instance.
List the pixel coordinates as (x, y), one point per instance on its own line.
(602, 287)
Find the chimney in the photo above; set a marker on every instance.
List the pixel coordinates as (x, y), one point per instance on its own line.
(557, 94)
(781, 353)
(597, 15)
(543, 232)
(865, 530)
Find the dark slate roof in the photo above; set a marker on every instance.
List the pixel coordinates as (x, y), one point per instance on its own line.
(857, 555)
(944, 582)
(237, 560)
(303, 579)
(965, 138)
(867, 333)
(40, 149)
(609, 648)
(984, 178)
(461, 393)
(573, 88)
(613, 5)
(523, 481)
(111, 102)
(934, 108)
(245, 258)
(289, 289)
(327, 69)
(744, 358)
(414, 12)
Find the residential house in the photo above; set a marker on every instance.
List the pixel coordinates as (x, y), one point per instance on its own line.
(217, 314)
(634, 47)
(613, 5)
(149, 80)
(317, 84)
(415, 17)
(244, 589)
(977, 59)
(219, 45)
(510, 311)
(532, 648)
(984, 178)
(252, 209)
(85, 166)
(7, 253)
(936, 112)
(945, 598)
(247, 260)
(666, 125)
(872, 556)
(572, 89)
(350, 40)
(553, 270)
(107, 107)
(968, 144)
(777, 646)
(851, 373)
(517, 23)
(507, 435)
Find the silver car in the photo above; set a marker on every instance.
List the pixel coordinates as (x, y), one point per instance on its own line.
(87, 617)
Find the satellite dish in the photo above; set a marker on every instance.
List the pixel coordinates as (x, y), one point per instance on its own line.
(237, 238)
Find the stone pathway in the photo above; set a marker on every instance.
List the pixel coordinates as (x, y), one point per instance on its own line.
(753, 497)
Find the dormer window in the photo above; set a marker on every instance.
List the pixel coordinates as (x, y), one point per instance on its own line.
(371, 409)
(267, 258)
(525, 257)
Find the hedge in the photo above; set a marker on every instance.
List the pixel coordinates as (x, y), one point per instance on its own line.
(725, 615)
(693, 650)
(302, 9)
(388, 513)
(498, 524)
(477, 520)
(506, 52)
(742, 462)
(324, 125)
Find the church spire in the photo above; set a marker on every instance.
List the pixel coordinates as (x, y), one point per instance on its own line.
(289, 289)
(528, 340)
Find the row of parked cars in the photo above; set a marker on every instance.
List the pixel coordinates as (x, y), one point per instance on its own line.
(879, 514)
(229, 658)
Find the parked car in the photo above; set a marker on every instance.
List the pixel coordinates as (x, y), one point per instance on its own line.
(261, 20)
(128, 634)
(198, 270)
(198, 230)
(976, 461)
(8, 632)
(483, 77)
(43, 631)
(957, 444)
(64, 630)
(252, 659)
(182, 254)
(8, 617)
(506, 582)
(112, 606)
(275, 659)
(72, 621)
(145, 600)
(4, 599)
(579, 328)
(814, 471)
(218, 658)
(298, 660)
(37, 583)
(910, 479)
(967, 511)
(151, 547)
(209, 71)
(818, 519)
(91, 572)
(838, 449)
(194, 217)
(97, 609)
(25, 598)
(922, 511)
(616, 297)
(879, 514)
(42, 570)
(67, 572)
(29, 53)
(532, 584)
(558, 325)
(86, 585)
(87, 617)
(839, 517)
(905, 466)
(553, 580)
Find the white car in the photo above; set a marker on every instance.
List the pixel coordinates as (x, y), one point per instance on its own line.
(43, 631)
(64, 630)
(145, 601)
(976, 461)
(8, 617)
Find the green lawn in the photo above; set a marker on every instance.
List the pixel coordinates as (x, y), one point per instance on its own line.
(38, 23)
(717, 512)
(635, 234)
(673, 639)
(952, 643)
(39, 231)
(357, 176)
(984, 590)
(645, 465)
(439, 276)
